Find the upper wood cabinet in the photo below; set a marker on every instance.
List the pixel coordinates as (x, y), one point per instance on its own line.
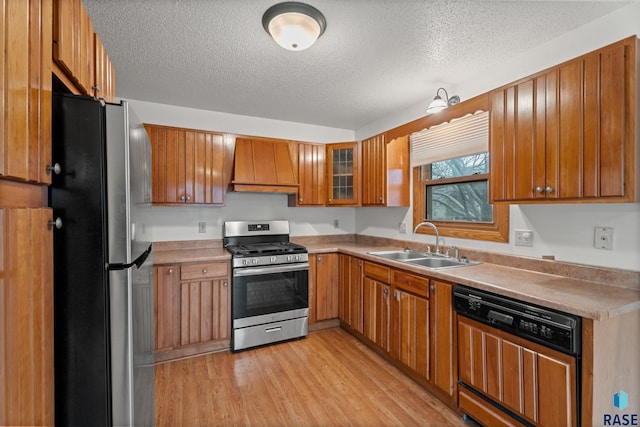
(79, 53)
(264, 165)
(25, 88)
(385, 171)
(26, 316)
(105, 74)
(568, 133)
(310, 159)
(187, 165)
(343, 174)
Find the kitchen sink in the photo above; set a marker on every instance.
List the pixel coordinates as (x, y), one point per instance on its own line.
(422, 259)
(401, 255)
(439, 262)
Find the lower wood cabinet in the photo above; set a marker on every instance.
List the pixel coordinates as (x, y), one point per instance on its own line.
(533, 381)
(441, 316)
(26, 317)
(408, 316)
(323, 273)
(192, 307)
(411, 321)
(350, 289)
(376, 305)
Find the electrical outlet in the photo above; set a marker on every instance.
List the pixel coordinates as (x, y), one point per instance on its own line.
(524, 238)
(603, 238)
(202, 227)
(403, 228)
(336, 223)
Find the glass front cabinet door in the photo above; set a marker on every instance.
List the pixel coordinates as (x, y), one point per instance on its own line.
(343, 170)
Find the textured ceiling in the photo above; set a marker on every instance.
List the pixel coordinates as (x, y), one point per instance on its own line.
(377, 57)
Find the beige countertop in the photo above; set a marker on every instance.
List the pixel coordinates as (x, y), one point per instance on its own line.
(580, 297)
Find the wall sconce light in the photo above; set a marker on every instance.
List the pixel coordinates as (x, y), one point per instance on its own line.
(439, 104)
(293, 25)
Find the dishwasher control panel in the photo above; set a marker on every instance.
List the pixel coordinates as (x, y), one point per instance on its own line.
(552, 328)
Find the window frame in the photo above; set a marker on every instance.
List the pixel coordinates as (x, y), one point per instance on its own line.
(496, 231)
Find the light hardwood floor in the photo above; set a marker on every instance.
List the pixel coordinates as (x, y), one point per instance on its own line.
(326, 379)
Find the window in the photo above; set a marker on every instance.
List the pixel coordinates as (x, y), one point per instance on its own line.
(451, 181)
(457, 189)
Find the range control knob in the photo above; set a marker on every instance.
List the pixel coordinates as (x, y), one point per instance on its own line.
(255, 261)
(289, 257)
(245, 261)
(273, 259)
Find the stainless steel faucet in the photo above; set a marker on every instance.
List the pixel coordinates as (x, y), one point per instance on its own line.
(432, 225)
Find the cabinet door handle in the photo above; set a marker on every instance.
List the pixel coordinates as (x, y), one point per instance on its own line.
(56, 168)
(57, 223)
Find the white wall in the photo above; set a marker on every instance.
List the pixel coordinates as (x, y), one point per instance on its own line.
(166, 223)
(565, 231)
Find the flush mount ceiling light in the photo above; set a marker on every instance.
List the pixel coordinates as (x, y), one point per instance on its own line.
(439, 104)
(293, 25)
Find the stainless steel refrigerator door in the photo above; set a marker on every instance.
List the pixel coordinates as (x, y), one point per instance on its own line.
(131, 300)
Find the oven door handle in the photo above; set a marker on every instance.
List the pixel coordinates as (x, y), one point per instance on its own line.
(254, 271)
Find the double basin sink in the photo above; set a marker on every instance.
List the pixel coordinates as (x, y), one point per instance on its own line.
(423, 259)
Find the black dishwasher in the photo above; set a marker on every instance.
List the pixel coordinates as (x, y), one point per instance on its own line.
(550, 328)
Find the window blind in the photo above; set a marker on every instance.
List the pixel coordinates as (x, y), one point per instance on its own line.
(460, 137)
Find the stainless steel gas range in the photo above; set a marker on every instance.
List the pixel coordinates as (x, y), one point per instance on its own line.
(270, 284)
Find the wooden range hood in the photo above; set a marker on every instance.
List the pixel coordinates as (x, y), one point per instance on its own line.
(264, 165)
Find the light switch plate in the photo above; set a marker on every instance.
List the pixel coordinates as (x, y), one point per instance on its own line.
(202, 227)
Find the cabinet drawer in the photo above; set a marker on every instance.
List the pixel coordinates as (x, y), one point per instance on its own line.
(377, 272)
(409, 282)
(204, 270)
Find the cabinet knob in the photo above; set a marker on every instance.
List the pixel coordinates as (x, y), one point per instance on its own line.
(538, 190)
(204, 271)
(381, 199)
(432, 288)
(182, 198)
(56, 168)
(330, 200)
(96, 88)
(225, 284)
(386, 292)
(57, 223)
(301, 200)
(548, 190)
(171, 271)
(188, 198)
(319, 258)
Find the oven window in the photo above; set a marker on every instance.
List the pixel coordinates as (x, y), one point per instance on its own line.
(270, 293)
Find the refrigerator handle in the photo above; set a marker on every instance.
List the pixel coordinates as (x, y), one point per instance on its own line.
(137, 262)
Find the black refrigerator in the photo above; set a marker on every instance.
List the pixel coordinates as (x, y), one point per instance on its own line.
(103, 275)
